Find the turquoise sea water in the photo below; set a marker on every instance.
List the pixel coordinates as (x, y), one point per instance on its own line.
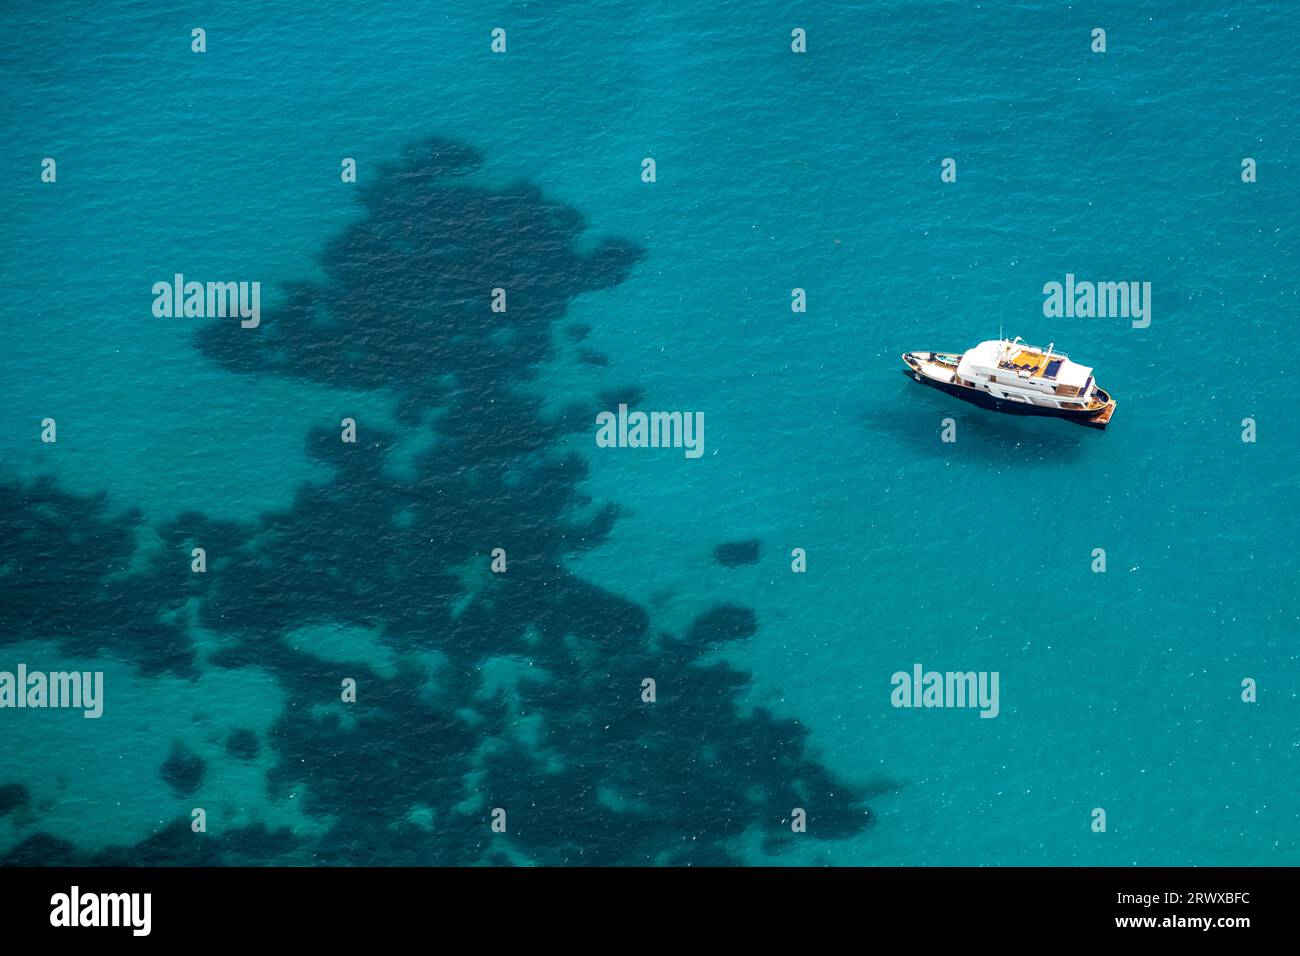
(820, 171)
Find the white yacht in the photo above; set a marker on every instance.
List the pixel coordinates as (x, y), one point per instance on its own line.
(1017, 378)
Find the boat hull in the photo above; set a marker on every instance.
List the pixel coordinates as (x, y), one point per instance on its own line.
(1091, 418)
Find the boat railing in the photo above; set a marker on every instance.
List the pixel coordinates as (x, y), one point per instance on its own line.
(1035, 349)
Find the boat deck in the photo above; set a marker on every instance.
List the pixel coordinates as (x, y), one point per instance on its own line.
(1037, 364)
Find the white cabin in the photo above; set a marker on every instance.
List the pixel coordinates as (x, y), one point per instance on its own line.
(1018, 372)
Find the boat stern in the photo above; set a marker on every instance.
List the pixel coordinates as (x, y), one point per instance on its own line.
(1102, 418)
